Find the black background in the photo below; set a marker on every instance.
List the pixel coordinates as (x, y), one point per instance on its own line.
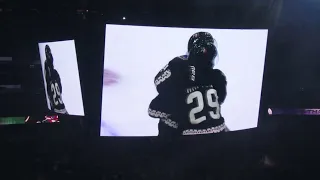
(290, 77)
(291, 61)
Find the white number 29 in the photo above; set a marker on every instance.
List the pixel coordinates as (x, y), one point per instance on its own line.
(213, 103)
(56, 93)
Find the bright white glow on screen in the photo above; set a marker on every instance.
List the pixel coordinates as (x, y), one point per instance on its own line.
(66, 65)
(135, 54)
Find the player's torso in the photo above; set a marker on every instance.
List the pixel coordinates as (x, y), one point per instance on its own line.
(54, 93)
(198, 108)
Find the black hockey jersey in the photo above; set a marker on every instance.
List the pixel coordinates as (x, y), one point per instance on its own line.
(54, 90)
(189, 98)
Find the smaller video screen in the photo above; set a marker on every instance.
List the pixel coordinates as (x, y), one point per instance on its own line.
(61, 77)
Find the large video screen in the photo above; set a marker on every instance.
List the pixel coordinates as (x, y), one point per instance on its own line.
(161, 81)
(61, 77)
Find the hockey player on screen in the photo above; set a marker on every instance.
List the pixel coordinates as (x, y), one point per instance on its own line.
(191, 91)
(53, 83)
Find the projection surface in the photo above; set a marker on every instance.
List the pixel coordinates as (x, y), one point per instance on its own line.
(135, 54)
(61, 77)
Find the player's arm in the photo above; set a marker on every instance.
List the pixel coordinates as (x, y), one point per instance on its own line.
(221, 85)
(47, 83)
(157, 108)
(46, 72)
(58, 80)
(223, 93)
(162, 79)
(165, 79)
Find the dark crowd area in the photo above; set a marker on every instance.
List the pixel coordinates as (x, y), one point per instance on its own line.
(236, 155)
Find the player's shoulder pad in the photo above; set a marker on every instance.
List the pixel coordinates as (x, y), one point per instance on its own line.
(183, 57)
(178, 60)
(46, 63)
(219, 73)
(55, 73)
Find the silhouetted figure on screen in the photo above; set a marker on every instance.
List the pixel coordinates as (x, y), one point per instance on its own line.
(191, 91)
(53, 83)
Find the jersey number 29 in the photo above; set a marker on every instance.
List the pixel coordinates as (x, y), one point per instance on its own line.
(209, 100)
(56, 93)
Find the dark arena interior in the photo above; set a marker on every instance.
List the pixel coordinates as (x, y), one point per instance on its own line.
(39, 142)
